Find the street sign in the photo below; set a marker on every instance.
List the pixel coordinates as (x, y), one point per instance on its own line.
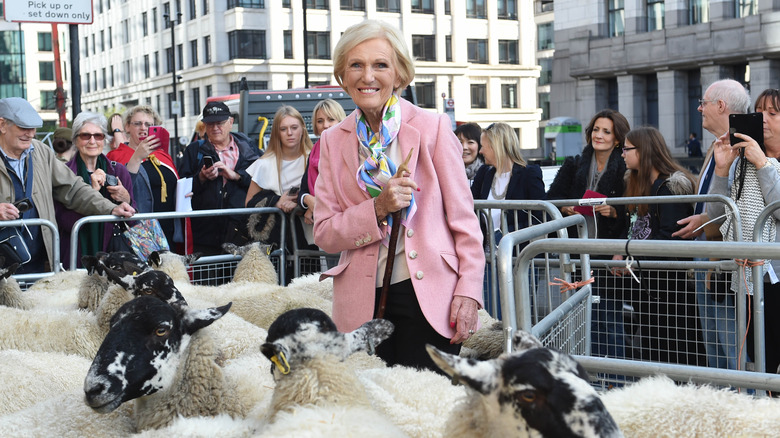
(176, 108)
(449, 109)
(48, 11)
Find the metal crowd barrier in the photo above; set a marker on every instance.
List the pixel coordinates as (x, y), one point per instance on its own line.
(26, 280)
(563, 328)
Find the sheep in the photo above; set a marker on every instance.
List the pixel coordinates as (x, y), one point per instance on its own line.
(175, 265)
(157, 354)
(487, 342)
(534, 391)
(255, 266)
(95, 285)
(10, 293)
(658, 407)
(32, 377)
(308, 352)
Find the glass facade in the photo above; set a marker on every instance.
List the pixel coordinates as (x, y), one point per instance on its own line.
(12, 72)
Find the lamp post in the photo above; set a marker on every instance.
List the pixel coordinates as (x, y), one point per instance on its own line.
(174, 108)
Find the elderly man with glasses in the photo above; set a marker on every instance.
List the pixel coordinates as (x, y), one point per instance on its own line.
(31, 178)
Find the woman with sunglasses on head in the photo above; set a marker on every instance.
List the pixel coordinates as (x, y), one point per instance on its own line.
(154, 174)
(111, 179)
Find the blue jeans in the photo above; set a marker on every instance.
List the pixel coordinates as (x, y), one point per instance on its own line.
(607, 334)
(718, 324)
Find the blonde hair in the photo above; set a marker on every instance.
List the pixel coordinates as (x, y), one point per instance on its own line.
(505, 144)
(146, 109)
(331, 109)
(274, 146)
(368, 30)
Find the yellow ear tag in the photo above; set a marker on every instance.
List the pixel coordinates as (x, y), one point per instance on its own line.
(281, 363)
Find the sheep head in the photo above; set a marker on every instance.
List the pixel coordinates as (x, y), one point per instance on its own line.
(142, 350)
(302, 334)
(232, 248)
(157, 258)
(151, 282)
(7, 271)
(537, 389)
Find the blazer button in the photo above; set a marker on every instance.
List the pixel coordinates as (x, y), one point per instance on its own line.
(419, 275)
(413, 254)
(409, 233)
(357, 243)
(367, 239)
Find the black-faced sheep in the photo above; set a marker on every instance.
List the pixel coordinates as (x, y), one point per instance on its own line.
(532, 392)
(159, 355)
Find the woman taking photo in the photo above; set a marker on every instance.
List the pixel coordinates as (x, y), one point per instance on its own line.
(753, 182)
(111, 179)
(668, 326)
(434, 281)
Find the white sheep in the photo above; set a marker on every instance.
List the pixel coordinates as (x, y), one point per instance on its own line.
(534, 391)
(658, 407)
(255, 266)
(173, 264)
(10, 292)
(158, 354)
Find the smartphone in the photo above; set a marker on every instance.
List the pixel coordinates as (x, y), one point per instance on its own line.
(208, 161)
(751, 125)
(163, 135)
(293, 191)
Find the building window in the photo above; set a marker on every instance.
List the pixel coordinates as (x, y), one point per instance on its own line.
(147, 67)
(193, 12)
(194, 53)
(167, 15)
(111, 76)
(48, 100)
(424, 47)
(544, 104)
(447, 7)
(476, 9)
(318, 45)
(126, 30)
(103, 76)
(102, 41)
(169, 60)
(544, 6)
(87, 83)
(507, 52)
(507, 9)
(616, 18)
(93, 44)
(94, 80)
(12, 61)
(545, 75)
(698, 11)
(288, 44)
(181, 103)
(285, 3)
(479, 95)
(246, 44)
(655, 15)
(353, 5)
(179, 56)
(388, 5)
(508, 95)
(545, 36)
(128, 71)
(207, 50)
(317, 4)
(100, 6)
(205, 7)
(86, 46)
(477, 50)
(46, 70)
(426, 94)
(235, 87)
(145, 24)
(154, 20)
(422, 6)
(208, 91)
(171, 99)
(195, 101)
(44, 41)
(746, 8)
(156, 60)
(110, 38)
(253, 4)
(448, 48)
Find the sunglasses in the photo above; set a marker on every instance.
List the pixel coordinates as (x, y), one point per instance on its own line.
(86, 136)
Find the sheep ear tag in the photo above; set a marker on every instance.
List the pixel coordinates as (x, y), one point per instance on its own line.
(281, 362)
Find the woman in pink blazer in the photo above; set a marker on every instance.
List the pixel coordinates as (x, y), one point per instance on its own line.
(436, 285)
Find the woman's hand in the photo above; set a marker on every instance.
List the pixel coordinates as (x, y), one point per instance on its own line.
(146, 147)
(568, 211)
(287, 203)
(310, 202)
(98, 178)
(606, 210)
(463, 317)
(396, 195)
(118, 192)
(724, 154)
(618, 272)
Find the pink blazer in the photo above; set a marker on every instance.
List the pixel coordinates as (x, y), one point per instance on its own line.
(443, 241)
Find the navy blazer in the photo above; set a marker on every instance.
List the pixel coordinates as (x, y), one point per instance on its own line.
(525, 184)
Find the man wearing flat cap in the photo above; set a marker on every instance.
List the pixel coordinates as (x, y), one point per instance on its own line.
(221, 185)
(31, 171)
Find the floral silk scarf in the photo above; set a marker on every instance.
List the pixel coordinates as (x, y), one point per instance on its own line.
(378, 168)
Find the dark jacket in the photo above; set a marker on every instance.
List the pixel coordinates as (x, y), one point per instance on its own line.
(664, 217)
(213, 194)
(525, 184)
(571, 182)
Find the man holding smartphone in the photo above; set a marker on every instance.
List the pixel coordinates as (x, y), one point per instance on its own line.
(218, 166)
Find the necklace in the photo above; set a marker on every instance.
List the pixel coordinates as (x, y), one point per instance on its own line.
(496, 196)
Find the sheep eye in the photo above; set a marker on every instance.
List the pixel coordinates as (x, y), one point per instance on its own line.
(528, 396)
(161, 331)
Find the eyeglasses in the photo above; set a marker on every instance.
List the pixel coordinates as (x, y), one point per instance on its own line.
(86, 136)
(628, 149)
(139, 124)
(703, 101)
(213, 124)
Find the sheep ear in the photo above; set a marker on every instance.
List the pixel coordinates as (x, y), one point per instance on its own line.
(230, 248)
(369, 335)
(522, 341)
(115, 277)
(9, 271)
(191, 258)
(481, 376)
(196, 319)
(154, 259)
(90, 263)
